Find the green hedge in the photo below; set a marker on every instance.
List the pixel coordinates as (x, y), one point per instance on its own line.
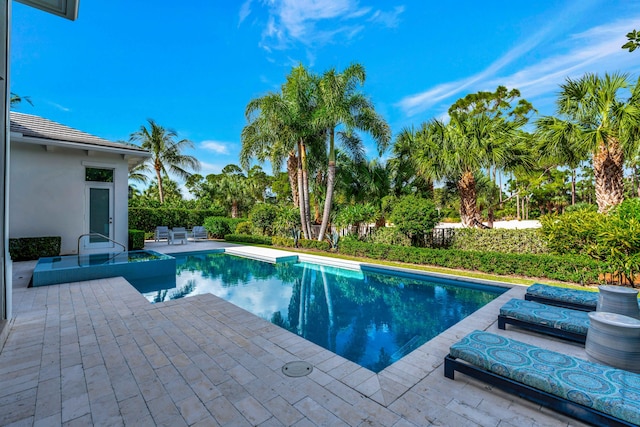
(248, 238)
(527, 241)
(286, 242)
(147, 219)
(136, 240)
(220, 226)
(30, 248)
(577, 269)
(314, 244)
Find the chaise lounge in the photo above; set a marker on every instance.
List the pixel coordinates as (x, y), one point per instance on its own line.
(563, 297)
(560, 322)
(590, 392)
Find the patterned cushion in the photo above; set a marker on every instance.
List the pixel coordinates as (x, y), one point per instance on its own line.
(557, 293)
(548, 315)
(609, 390)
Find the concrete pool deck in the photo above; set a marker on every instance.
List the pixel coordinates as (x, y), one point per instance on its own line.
(97, 353)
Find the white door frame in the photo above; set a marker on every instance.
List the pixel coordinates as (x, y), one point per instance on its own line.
(87, 244)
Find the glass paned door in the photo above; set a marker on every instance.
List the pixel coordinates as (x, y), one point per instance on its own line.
(100, 212)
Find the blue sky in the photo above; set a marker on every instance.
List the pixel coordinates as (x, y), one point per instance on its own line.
(194, 65)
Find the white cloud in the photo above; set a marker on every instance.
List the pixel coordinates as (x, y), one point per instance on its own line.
(58, 106)
(389, 19)
(245, 10)
(218, 147)
(581, 51)
(319, 22)
(209, 168)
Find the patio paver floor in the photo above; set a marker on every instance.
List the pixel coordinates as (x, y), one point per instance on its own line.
(97, 353)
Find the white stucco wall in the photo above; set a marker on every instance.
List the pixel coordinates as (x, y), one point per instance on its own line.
(48, 194)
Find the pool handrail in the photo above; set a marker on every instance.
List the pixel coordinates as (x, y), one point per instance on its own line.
(124, 248)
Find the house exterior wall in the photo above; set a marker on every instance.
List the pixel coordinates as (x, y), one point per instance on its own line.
(48, 194)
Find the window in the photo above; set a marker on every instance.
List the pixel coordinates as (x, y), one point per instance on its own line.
(98, 175)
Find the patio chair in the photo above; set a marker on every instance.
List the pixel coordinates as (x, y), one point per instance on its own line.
(162, 233)
(199, 232)
(590, 392)
(178, 233)
(562, 297)
(560, 322)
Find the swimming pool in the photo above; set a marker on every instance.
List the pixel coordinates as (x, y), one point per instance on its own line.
(369, 317)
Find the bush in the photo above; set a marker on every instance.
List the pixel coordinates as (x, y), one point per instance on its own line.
(136, 240)
(571, 233)
(389, 236)
(262, 216)
(243, 228)
(30, 248)
(286, 242)
(287, 219)
(314, 244)
(245, 238)
(577, 269)
(219, 226)
(148, 218)
(527, 241)
(415, 217)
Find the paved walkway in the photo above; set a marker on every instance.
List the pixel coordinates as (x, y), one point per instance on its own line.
(97, 353)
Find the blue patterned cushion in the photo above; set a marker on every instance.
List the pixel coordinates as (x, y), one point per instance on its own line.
(609, 390)
(557, 293)
(575, 321)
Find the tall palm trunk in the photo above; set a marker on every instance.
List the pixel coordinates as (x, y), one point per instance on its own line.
(292, 172)
(160, 191)
(468, 208)
(331, 177)
(234, 209)
(303, 191)
(608, 163)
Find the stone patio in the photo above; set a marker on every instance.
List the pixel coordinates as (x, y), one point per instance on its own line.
(97, 353)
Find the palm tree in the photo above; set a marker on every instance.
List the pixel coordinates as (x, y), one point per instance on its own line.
(341, 104)
(458, 150)
(166, 152)
(556, 142)
(595, 119)
(280, 126)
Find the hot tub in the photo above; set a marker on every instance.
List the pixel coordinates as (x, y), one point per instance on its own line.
(132, 265)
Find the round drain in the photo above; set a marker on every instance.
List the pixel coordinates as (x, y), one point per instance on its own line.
(297, 369)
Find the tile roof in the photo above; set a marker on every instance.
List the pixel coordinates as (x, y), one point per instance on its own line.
(39, 127)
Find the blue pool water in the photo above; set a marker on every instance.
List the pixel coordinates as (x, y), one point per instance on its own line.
(370, 318)
(132, 265)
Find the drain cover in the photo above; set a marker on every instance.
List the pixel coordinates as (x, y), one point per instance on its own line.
(297, 369)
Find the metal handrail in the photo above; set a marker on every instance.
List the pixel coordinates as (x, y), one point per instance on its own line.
(124, 248)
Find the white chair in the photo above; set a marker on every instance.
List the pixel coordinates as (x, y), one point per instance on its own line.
(199, 232)
(178, 233)
(162, 233)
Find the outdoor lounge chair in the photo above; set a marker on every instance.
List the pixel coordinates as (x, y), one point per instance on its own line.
(590, 392)
(177, 233)
(162, 233)
(562, 297)
(548, 319)
(199, 232)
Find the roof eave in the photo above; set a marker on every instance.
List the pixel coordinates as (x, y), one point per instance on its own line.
(133, 156)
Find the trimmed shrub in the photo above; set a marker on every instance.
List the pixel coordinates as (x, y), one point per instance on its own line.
(30, 248)
(415, 217)
(577, 269)
(389, 236)
(246, 238)
(286, 242)
(527, 241)
(314, 244)
(243, 228)
(136, 240)
(148, 218)
(219, 226)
